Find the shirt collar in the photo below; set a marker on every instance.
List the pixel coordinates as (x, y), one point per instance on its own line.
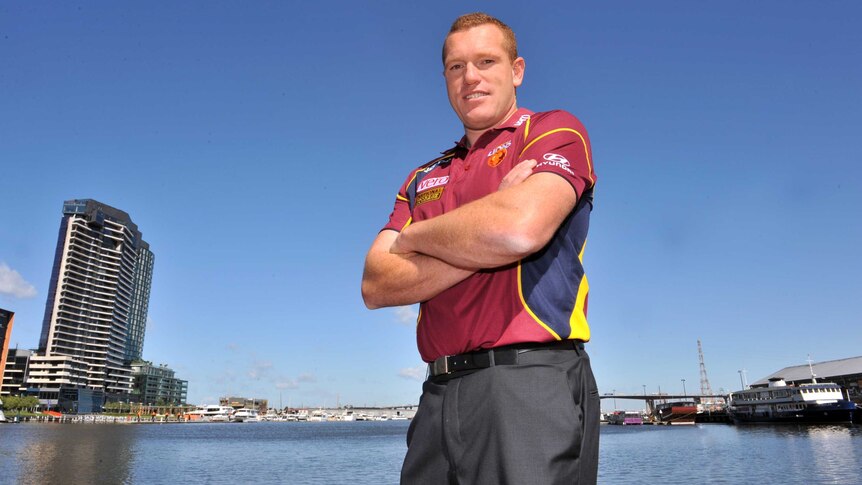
(517, 119)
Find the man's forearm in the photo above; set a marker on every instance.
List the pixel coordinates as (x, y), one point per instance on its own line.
(498, 229)
(404, 279)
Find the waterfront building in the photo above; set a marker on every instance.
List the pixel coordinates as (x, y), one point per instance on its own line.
(95, 314)
(157, 385)
(15, 375)
(7, 317)
(244, 402)
(845, 372)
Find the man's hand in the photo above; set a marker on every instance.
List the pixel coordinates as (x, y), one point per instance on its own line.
(518, 174)
(397, 248)
(497, 229)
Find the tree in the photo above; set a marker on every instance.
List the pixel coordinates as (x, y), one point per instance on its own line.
(11, 402)
(20, 403)
(30, 402)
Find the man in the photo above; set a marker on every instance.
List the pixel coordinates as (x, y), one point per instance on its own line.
(489, 238)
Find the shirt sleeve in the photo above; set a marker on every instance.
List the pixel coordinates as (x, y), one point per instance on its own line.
(559, 144)
(401, 215)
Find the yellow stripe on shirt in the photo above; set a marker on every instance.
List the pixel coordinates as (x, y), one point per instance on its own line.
(583, 142)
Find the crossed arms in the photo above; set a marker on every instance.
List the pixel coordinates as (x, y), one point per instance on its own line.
(430, 256)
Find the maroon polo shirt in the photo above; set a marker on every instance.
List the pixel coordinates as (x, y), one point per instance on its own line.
(541, 298)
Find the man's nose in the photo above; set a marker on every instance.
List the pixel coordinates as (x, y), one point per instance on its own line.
(471, 73)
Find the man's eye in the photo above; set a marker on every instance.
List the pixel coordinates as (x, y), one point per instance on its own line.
(487, 61)
(455, 67)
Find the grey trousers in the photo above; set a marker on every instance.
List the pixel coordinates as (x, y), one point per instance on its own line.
(536, 422)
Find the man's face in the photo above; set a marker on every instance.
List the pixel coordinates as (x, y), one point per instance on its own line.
(480, 77)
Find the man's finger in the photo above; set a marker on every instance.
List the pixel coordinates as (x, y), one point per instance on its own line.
(518, 174)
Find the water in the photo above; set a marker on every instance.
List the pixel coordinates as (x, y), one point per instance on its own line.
(198, 453)
(717, 453)
(371, 453)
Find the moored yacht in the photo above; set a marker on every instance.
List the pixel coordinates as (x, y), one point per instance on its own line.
(217, 413)
(246, 415)
(271, 415)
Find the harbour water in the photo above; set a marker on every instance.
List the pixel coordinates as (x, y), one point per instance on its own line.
(371, 453)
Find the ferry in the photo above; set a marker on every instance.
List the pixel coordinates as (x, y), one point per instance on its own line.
(678, 412)
(779, 403)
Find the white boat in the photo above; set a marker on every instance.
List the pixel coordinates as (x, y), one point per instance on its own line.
(216, 413)
(271, 415)
(245, 415)
(198, 414)
(318, 415)
(2, 416)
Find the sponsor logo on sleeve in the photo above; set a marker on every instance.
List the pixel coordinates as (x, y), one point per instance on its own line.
(430, 183)
(556, 160)
(429, 195)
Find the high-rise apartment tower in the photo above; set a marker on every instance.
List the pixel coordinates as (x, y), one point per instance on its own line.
(96, 312)
(7, 317)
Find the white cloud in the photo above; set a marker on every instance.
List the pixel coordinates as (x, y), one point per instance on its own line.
(307, 378)
(12, 283)
(259, 369)
(406, 315)
(283, 384)
(414, 373)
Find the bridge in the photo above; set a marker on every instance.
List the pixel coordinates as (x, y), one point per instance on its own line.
(650, 399)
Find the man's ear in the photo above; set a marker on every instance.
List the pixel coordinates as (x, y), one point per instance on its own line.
(518, 67)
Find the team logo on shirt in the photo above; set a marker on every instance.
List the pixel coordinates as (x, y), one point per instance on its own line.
(431, 183)
(497, 155)
(556, 160)
(521, 120)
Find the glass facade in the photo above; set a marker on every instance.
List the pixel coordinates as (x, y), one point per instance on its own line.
(142, 278)
(17, 363)
(157, 385)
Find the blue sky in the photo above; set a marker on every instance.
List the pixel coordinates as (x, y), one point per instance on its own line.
(259, 146)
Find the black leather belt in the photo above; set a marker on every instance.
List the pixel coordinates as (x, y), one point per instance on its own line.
(482, 359)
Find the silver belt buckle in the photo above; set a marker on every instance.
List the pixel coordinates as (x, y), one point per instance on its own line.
(440, 366)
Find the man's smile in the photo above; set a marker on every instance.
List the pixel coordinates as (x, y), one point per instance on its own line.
(475, 95)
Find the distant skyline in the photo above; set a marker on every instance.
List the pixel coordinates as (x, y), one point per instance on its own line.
(259, 147)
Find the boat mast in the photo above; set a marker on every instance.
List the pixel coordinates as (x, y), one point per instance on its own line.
(811, 369)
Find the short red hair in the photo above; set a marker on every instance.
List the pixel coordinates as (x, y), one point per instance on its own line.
(470, 20)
